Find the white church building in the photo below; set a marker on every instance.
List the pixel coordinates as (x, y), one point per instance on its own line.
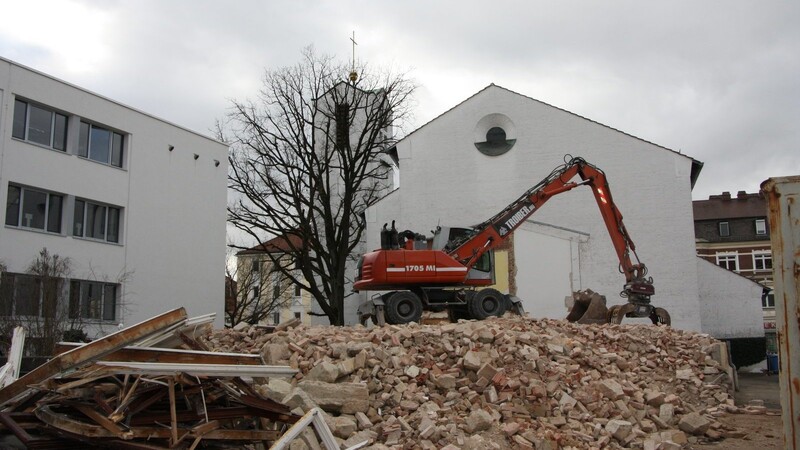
(138, 204)
(449, 176)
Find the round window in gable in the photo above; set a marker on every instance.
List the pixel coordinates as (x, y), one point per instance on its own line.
(492, 135)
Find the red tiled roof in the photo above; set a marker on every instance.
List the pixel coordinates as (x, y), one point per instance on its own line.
(280, 244)
(726, 206)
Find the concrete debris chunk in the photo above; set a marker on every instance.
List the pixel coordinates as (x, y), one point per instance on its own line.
(345, 398)
(479, 420)
(324, 371)
(694, 423)
(620, 429)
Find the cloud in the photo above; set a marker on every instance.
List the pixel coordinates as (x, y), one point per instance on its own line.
(716, 80)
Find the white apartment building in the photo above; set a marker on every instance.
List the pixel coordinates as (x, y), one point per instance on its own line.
(137, 204)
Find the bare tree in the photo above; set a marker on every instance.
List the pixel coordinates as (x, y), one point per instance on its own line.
(36, 301)
(308, 156)
(43, 302)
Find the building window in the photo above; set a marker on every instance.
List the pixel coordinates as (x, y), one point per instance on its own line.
(768, 299)
(276, 318)
(95, 221)
(256, 292)
(762, 260)
(342, 125)
(256, 266)
(761, 227)
(93, 300)
(27, 295)
(298, 315)
(724, 229)
(276, 286)
(30, 208)
(297, 290)
(34, 123)
(100, 144)
(729, 261)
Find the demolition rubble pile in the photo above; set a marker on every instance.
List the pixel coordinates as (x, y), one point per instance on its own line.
(499, 383)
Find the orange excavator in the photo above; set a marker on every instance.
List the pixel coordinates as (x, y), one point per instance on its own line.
(451, 270)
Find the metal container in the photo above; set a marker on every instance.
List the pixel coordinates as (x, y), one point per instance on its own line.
(783, 195)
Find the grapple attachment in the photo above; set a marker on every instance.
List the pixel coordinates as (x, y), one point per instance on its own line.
(659, 316)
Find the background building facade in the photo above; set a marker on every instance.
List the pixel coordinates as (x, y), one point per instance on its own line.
(733, 233)
(263, 294)
(136, 203)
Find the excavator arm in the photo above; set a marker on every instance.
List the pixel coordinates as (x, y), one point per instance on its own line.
(574, 173)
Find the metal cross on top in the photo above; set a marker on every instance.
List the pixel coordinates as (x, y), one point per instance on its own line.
(353, 74)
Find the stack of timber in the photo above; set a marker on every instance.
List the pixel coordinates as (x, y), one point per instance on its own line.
(132, 390)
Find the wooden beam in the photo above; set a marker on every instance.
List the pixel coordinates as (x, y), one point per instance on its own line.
(70, 425)
(173, 414)
(170, 355)
(11, 424)
(101, 420)
(91, 352)
(210, 370)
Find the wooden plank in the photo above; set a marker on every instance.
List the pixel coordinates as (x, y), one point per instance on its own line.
(102, 420)
(91, 352)
(170, 355)
(173, 414)
(70, 425)
(11, 424)
(209, 370)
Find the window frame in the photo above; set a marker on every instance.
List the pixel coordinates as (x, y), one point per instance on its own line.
(768, 300)
(85, 133)
(728, 257)
(275, 281)
(48, 209)
(761, 227)
(762, 256)
(727, 226)
(53, 128)
(106, 220)
(10, 283)
(78, 310)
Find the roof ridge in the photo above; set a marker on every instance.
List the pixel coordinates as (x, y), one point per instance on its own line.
(546, 104)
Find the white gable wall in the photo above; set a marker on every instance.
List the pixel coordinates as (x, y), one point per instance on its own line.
(445, 180)
(730, 303)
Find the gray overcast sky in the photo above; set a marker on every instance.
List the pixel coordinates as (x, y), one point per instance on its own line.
(716, 80)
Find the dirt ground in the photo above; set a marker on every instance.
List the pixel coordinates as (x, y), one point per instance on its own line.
(764, 432)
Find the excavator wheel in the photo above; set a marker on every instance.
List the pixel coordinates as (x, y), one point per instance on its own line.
(403, 307)
(588, 307)
(486, 303)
